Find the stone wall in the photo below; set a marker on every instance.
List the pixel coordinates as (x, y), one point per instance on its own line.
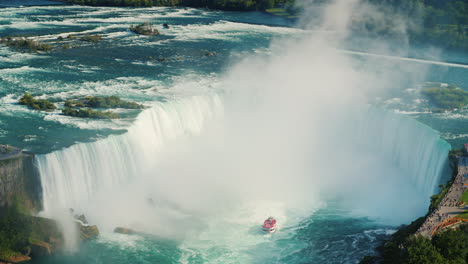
(20, 184)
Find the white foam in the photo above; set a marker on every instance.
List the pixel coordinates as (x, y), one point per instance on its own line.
(224, 30)
(22, 69)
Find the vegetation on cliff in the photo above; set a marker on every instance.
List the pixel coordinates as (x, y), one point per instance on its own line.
(446, 247)
(437, 22)
(15, 230)
(447, 97)
(38, 104)
(24, 236)
(450, 246)
(103, 102)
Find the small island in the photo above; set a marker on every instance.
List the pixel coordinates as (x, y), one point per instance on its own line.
(89, 113)
(91, 38)
(37, 104)
(445, 97)
(25, 44)
(82, 107)
(144, 29)
(103, 102)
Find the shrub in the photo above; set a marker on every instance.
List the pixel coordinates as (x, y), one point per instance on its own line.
(38, 104)
(91, 38)
(89, 113)
(15, 229)
(103, 102)
(447, 98)
(24, 43)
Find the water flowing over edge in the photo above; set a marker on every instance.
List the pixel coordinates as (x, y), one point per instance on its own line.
(410, 145)
(71, 176)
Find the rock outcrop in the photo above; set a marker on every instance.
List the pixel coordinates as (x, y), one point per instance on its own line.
(20, 184)
(124, 230)
(41, 249)
(144, 29)
(16, 259)
(88, 232)
(27, 236)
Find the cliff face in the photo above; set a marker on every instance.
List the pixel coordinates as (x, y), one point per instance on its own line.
(20, 184)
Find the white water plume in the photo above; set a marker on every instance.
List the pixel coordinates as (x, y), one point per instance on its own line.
(297, 130)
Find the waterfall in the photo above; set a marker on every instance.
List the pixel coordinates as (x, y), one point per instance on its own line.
(70, 177)
(410, 145)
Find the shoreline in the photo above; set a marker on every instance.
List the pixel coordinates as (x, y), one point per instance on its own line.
(445, 217)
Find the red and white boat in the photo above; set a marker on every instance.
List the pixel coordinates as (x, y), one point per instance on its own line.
(269, 225)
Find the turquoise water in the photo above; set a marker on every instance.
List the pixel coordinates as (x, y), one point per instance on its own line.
(122, 64)
(108, 169)
(340, 239)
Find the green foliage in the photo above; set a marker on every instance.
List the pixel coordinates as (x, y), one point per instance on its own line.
(38, 104)
(368, 260)
(103, 102)
(68, 103)
(455, 153)
(215, 4)
(15, 229)
(420, 250)
(438, 22)
(448, 247)
(405, 231)
(464, 197)
(282, 12)
(24, 43)
(464, 215)
(448, 98)
(91, 38)
(89, 113)
(453, 245)
(133, 3)
(437, 198)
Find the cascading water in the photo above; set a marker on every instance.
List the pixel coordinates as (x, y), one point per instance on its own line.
(409, 145)
(71, 177)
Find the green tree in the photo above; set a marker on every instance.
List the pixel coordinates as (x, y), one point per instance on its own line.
(453, 245)
(419, 250)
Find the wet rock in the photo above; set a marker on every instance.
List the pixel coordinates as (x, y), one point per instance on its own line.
(82, 219)
(18, 259)
(144, 29)
(210, 53)
(88, 232)
(124, 230)
(40, 249)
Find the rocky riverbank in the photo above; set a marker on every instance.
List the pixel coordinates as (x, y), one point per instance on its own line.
(23, 234)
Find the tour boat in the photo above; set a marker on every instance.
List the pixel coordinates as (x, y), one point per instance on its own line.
(269, 225)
